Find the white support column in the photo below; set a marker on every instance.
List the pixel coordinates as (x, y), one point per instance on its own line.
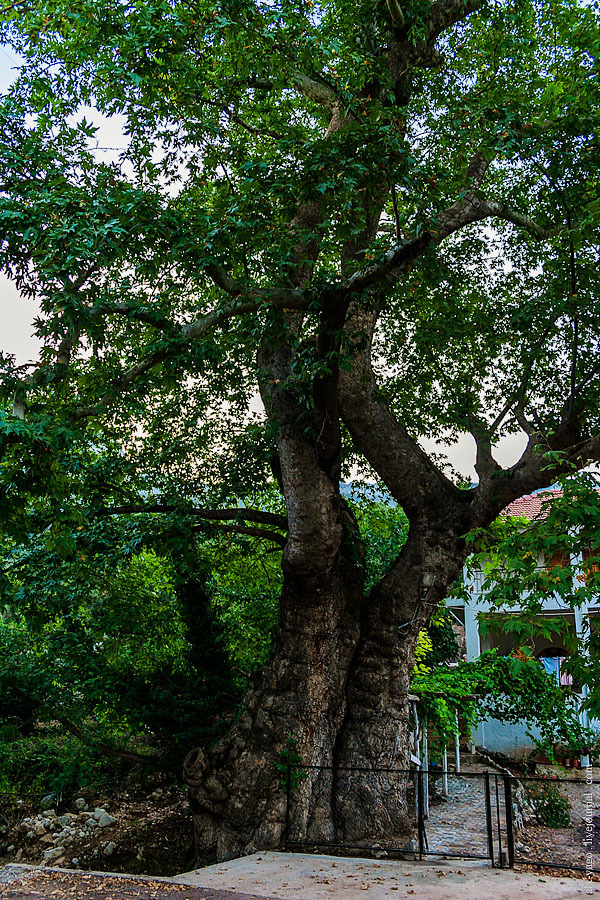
(457, 744)
(472, 632)
(582, 626)
(445, 790)
(425, 765)
(473, 645)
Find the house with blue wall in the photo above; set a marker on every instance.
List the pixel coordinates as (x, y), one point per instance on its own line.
(513, 739)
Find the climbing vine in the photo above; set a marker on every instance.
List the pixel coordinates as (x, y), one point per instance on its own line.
(505, 688)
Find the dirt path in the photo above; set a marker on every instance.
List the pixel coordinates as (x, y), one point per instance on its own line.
(46, 884)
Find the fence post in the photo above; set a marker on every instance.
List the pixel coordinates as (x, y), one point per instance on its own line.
(420, 813)
(510, 836)
(499, 822)
(457, 743)
(488, 816)
(288, 795)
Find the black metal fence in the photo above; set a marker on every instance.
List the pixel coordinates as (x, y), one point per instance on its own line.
(489, 815)
(558, 822)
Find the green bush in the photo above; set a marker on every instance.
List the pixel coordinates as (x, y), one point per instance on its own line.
(551, 807)
(51, 761)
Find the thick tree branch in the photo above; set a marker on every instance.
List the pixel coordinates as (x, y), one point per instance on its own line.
(534, 470)
(584, 452)
(393, 453)
(466, 211)
(477, 169)
(261, 533)
(223, 280)
(485, 464)
(396, 13)
(446, 13)
(318, 91)
(500, 211)
(411, 476)
(280, 298)
(259, 516)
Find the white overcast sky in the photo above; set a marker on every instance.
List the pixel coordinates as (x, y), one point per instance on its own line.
(17, 315)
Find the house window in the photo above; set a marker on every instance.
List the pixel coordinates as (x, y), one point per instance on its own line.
(552, 660)
(591, 563)
(558, 560)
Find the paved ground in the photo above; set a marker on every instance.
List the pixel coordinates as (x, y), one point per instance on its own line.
(458, 823)
(299, 876)
(291, 876)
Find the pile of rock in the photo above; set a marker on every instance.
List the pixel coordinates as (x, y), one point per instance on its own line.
(57, 832)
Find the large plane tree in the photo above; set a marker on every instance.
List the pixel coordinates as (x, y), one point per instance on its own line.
(333, 228)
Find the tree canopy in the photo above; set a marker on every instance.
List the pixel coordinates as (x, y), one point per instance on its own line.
(260, 141)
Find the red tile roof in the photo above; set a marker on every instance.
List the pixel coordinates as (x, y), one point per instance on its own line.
(531, 504)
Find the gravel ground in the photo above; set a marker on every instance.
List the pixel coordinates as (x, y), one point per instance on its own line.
(31, 885)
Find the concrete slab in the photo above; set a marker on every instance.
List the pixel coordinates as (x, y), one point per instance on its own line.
(304, 876)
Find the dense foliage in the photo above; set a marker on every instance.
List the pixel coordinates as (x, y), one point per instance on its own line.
(551, 806)
(135, 643)
(114, 648)
(524, 562)
(505, 688)
(159, 267)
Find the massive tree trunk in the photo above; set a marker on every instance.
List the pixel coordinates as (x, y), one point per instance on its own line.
(338, 681)
(338, 685)
(238, 801)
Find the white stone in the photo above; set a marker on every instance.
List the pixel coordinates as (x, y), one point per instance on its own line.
(80, 803)
(54, 852)
(105, 820)
(109, 849)
(99, 812)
